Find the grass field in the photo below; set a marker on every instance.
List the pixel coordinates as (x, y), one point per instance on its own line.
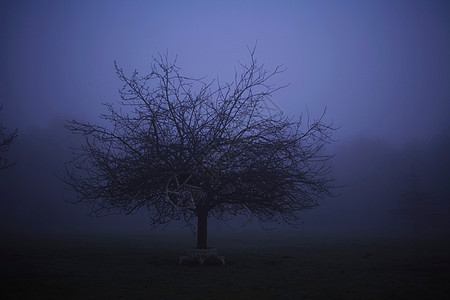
(146, 267)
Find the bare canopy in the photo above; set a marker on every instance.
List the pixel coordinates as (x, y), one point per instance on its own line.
(186, 149)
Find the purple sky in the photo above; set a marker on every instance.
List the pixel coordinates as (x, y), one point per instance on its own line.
(381, 67)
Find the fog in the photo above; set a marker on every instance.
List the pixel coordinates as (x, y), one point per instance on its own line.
(380, 68)
(371, 176)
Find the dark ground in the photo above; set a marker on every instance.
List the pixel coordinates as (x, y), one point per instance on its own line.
(146, 267)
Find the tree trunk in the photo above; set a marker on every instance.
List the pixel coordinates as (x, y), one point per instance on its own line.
(202, 229)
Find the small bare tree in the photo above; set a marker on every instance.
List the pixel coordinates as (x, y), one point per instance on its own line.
(6, 140)
(415, 204)
(186, 149)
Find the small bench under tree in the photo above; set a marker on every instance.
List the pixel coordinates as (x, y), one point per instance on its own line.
(201, 255)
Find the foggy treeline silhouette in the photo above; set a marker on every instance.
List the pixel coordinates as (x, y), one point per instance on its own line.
(375, 175)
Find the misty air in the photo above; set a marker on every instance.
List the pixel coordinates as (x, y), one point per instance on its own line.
(232, 150)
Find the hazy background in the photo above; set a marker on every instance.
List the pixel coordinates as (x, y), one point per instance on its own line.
(380, 67)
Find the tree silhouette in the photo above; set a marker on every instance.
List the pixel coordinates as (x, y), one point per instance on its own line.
(186, 149)
(6, 140)
(415, 204)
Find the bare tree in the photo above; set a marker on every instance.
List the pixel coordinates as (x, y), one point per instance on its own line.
(415, 204)
(6, 140)
(186, 149)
